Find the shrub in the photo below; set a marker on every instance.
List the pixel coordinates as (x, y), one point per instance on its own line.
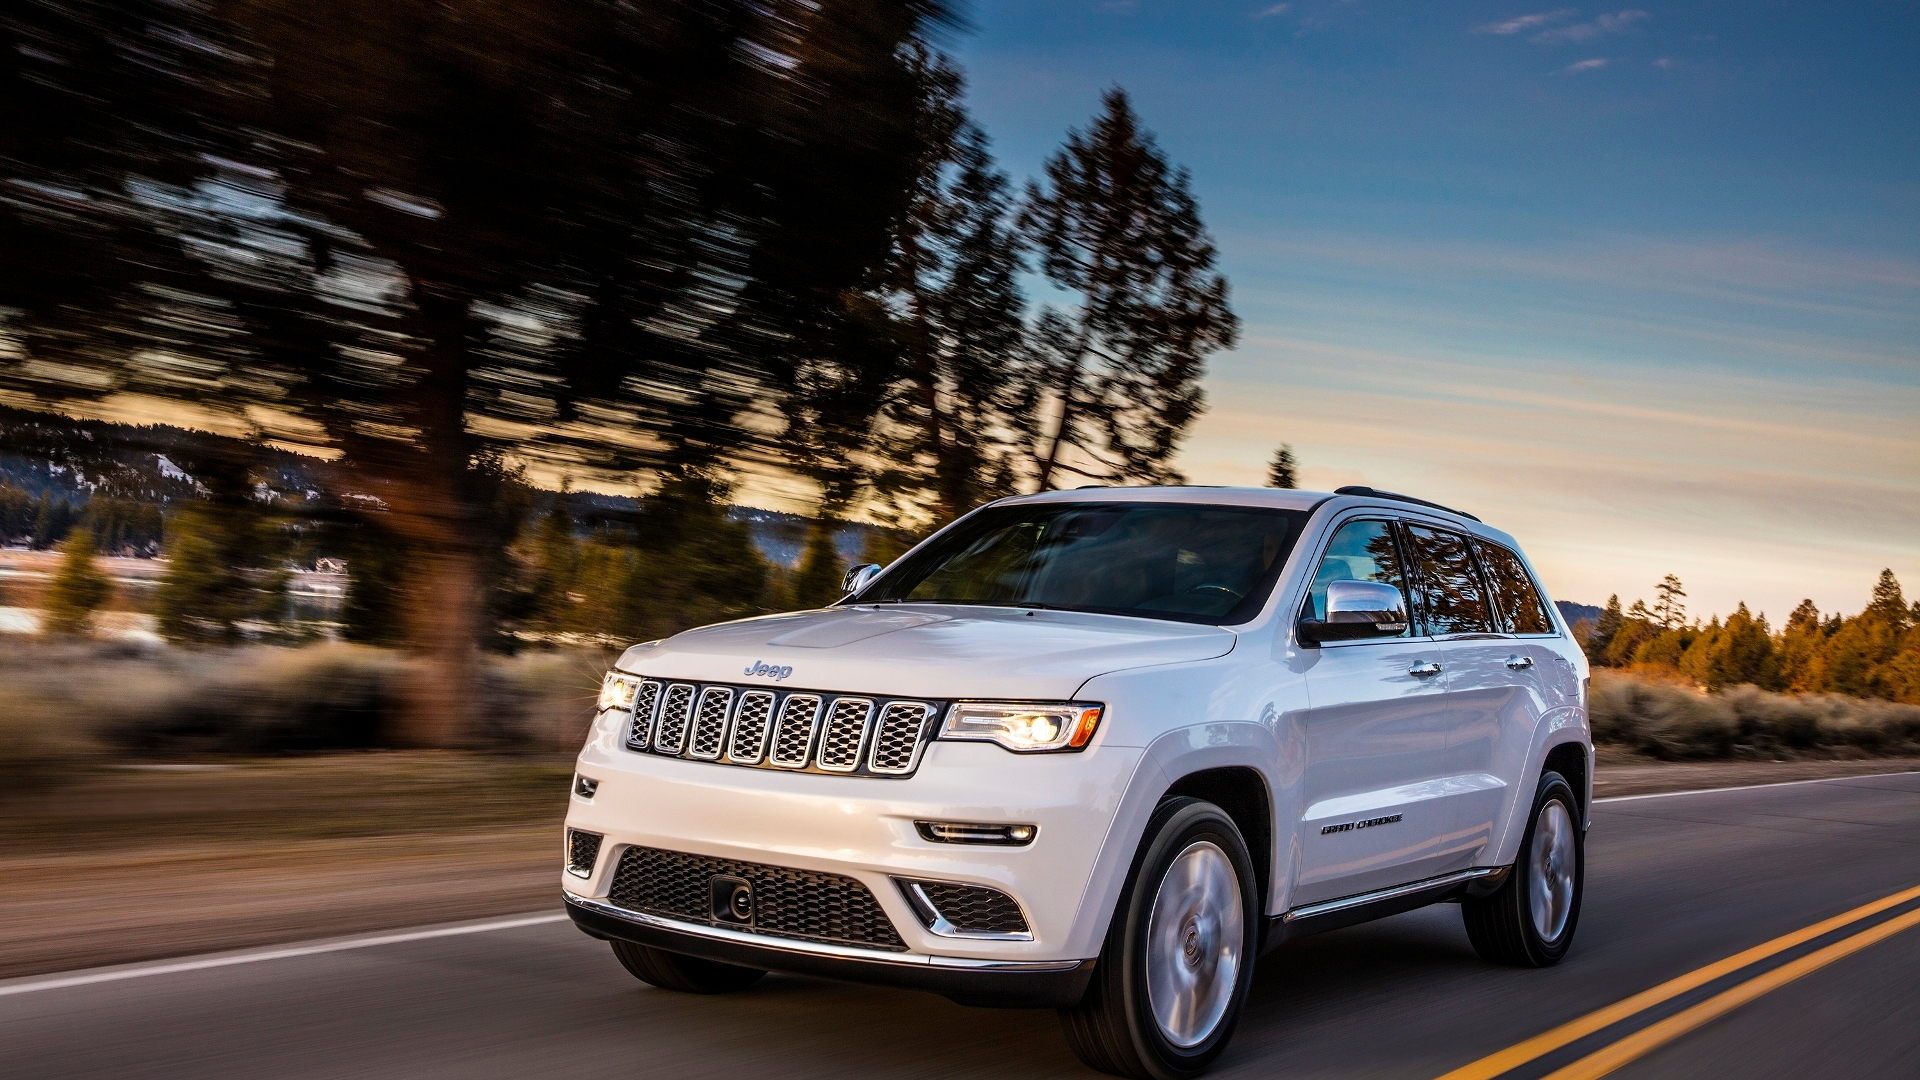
(1673, 722)
(264, 700)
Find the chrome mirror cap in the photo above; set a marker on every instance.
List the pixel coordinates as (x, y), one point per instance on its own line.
(858, 577)
(1355, 610)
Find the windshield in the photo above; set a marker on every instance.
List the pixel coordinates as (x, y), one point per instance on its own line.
(1205, 564)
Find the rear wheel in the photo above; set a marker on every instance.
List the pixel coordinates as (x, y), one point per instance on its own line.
(1529, 920)
(1178, 958)
(687, 974)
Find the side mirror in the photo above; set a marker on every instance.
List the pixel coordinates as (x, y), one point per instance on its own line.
(1357, 610)
(858, 577)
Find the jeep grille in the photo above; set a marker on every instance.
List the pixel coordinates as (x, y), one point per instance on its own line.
(763, 728)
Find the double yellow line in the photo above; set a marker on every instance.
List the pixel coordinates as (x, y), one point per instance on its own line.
(1645, 1040)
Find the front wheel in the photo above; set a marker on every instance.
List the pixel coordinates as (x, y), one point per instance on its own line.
(1529, 920)
(1178, 958)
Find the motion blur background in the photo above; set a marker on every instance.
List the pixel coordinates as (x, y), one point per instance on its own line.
(370, 372)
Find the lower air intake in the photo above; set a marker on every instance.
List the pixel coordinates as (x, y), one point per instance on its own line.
(786, 902)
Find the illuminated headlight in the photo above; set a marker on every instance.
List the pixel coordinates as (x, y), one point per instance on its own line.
(617, 692)
(1025, 727)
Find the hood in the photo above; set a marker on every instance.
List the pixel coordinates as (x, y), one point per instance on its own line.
(926, 650)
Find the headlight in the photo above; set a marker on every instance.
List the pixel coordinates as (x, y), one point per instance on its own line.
(617, 691)
(1025, 727)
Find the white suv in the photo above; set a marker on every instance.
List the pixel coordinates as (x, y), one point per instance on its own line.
(1097, 750)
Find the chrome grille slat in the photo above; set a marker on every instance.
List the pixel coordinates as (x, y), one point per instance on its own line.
(896, 740)
(671, 733)
(793, 740)
(645, 703)
(844, 734)
(710, 723)
(748, 739)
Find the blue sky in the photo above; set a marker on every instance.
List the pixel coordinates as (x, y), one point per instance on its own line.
(1640, 284)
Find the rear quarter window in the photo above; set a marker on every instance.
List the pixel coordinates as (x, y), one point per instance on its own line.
(1515, 597)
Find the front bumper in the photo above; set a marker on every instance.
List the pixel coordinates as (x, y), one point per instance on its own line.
(863, 828)
(1013, 984)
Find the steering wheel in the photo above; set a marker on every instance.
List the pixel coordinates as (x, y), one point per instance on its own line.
(1215, 588)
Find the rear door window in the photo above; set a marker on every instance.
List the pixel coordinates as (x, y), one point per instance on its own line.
(1515, 599)
(1452, 598)
(1359, 551)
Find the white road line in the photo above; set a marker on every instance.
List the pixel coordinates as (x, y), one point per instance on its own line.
(1753, 787)
(115, 974)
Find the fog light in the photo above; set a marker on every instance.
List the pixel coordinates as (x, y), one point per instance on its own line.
(584, 787)
(957, 832)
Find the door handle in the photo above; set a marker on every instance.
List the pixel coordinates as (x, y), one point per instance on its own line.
(1519, 663)
(1421, 671)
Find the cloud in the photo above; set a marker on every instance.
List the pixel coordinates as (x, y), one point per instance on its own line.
(1664, 62)
(1277, 9)
(1587, 65)
(1525, 22)
(1606, 24)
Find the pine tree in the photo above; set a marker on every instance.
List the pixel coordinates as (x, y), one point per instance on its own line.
(1604, 630)
(1887, 603)
(954, 278)
(1117, 227)
(1283, 471)
(1668, 610)
(78, 589)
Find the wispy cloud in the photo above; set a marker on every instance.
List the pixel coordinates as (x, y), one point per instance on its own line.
(1617, 23)
(1587, 65)
(1522, 23)
(1664, 62)
(1277, 9)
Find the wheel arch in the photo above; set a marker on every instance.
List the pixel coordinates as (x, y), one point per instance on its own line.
(1240, 791)
(1571, 760)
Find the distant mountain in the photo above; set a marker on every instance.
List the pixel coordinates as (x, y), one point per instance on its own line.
(1573, 613)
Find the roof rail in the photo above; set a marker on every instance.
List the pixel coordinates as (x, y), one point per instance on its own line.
(1355, 489)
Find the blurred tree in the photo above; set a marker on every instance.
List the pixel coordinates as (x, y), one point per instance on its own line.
(52, 519)
(1283, 471)
(78, 590)
(949, 439)
(424, 237)
(1118, 227)
(17, 512)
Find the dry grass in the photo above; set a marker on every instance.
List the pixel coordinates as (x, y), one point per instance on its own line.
(1676, 723)
(65, 705)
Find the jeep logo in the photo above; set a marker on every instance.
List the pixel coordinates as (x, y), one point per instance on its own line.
(759, 668)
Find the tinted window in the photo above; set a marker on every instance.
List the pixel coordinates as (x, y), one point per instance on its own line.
(1359, 551)
(1514, 596)
(1452, 600)
(1209, 564)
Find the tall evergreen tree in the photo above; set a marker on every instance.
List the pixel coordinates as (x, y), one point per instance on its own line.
(1669, 610)
(596, 231)
(954, 280)
(1116, 226)
(1283, 470)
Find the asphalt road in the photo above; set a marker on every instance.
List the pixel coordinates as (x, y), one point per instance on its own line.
(1674, 883)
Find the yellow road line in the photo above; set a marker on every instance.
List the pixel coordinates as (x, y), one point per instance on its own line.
(1549, 1041)
(1605, 1060)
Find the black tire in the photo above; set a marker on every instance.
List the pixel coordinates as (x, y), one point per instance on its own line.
(1114, 1028)
(687, 974)
(1502, 925)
